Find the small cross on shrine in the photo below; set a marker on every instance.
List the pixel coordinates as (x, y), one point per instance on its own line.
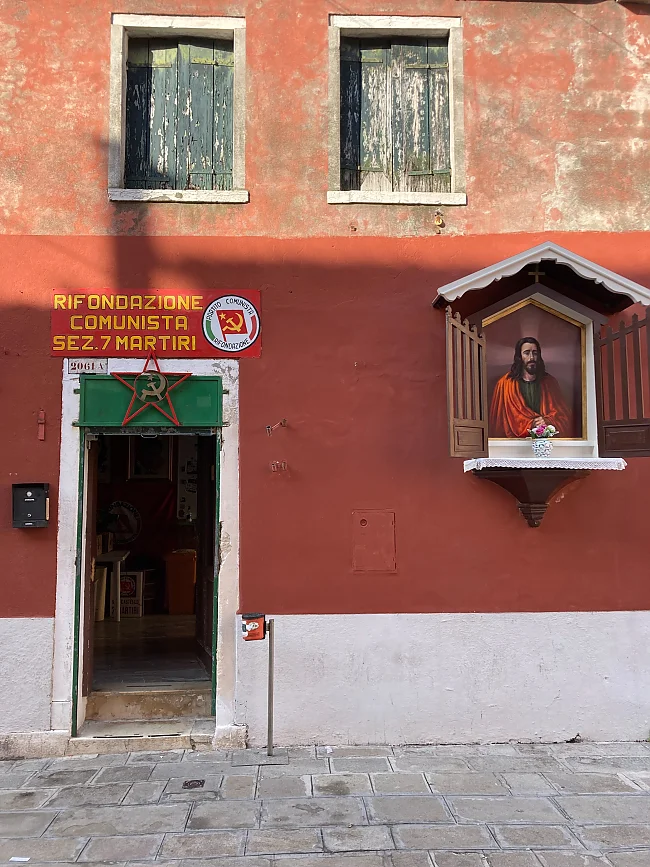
(536, 273)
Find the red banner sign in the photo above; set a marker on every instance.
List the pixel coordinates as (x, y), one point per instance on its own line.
(169, 323)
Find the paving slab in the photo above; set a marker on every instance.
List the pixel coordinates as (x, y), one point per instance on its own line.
(518, 810)
(259, 757)
(304, 812)
(515, 764)
(528, 784)
(53, 779)
(609, 837)
(348, 859)
(413, 764)
(284, 787)
(206, 756)
(357, 839)
(455, 837)
(145, 793)
(116, 821)
(15, 781)
(284, 841)
(122, 848)
(82, 796)
(75, 763)
(298, 768)
(342, 784)
(603, 809)
(570, 859)
(223, 815)
(407, 859)
(467, 784)
(25, 824)
(203, 844)
(535, 837)
(396, 783)
(630, 859)
(123, 774)
(154, 758)
(458, 859)
(352, 751)
(584, 784)
(363, 765)
(22, 799)
(402, 809)
(238, 786)
(608, 764)
(512, 859)
(211, 783)
(42, 849)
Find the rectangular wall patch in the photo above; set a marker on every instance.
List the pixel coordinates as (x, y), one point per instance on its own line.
(373, 541)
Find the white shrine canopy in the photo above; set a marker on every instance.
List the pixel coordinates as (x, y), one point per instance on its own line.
(545, 252)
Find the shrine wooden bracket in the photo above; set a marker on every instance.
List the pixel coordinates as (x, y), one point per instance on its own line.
(533, 487)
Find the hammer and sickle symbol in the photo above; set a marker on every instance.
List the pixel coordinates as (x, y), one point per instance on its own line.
(156, 388)
(235, 324)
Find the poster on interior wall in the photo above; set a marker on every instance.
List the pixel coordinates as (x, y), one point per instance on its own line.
(535, 371)
(171, 323)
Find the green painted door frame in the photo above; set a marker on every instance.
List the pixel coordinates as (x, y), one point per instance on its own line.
(79, 563)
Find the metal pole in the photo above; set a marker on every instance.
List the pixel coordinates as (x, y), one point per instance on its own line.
(269, 741)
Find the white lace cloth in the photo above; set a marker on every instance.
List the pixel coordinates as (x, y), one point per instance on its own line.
(546, 463)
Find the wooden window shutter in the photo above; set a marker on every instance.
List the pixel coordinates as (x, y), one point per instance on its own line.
(623, 388)
(366, 162)
(151, 114)
(466, 389)
(420, 116)
(205, 125)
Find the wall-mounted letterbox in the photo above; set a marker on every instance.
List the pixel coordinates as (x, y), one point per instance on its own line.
(31, 505)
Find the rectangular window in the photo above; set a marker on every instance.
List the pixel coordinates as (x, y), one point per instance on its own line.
(179, 114)
(395, 133)
(177, 109)
(396, 124)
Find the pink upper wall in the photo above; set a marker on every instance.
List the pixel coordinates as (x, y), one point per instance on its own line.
(556, 114)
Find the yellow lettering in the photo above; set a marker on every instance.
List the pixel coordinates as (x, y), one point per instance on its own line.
(79, 300)
(136, 342)
(193, 342)
(149, 342)
(104, 322)
(169, 302)
(119, 323)
(59, 303)
(167, 320)
(183, 302)
(121, 343)
(93, 302)
(184, 342)
(133, 323)
(108, 301)
(153, 322)
(181, 323)
(149, 302)
(58, 342)
(136, 302)
(106, 341)
(163, 339)
(121, 302)
(72, 343)
(90, 322)
(197, 302)
(87, 342)
(73, 326)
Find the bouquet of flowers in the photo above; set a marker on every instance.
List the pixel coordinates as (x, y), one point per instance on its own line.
(543, 431)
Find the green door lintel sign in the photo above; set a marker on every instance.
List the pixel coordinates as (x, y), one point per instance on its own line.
(106, 402)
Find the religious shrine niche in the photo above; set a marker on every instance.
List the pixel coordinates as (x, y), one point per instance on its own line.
(537, 355)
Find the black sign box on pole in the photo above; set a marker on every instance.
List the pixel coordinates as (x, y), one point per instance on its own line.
(31, 505)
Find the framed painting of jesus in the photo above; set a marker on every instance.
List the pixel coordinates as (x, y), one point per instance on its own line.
(535, 371)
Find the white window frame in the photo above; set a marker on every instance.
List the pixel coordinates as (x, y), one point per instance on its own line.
(372, 26)
(562, 448)
(166, 26)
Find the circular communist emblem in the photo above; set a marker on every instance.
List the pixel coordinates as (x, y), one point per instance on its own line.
(150, 387)
(231, 323)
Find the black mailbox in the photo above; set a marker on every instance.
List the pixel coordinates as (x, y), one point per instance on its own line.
(31, 507)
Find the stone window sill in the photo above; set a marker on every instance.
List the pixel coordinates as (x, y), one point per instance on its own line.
(373, 197)
(231, 197)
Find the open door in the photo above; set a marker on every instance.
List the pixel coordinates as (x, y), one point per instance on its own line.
(90, 531)
(206, 567)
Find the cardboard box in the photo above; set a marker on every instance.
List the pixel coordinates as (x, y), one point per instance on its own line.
(131, 594)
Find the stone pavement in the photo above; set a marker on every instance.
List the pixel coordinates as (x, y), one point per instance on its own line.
(563, 805)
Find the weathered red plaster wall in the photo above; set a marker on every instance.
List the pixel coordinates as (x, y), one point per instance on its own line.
(556, 120)
(353, 357)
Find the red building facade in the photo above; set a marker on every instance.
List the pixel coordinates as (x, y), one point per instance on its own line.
(446, 617)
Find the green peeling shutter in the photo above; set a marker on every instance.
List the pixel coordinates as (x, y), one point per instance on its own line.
(395, 131)
(179, 115)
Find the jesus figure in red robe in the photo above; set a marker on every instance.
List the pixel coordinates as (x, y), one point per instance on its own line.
(528, 396)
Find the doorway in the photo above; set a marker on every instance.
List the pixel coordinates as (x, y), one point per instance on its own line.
(149, 575)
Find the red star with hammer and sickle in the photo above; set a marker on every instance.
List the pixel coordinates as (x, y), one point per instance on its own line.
(171, 415)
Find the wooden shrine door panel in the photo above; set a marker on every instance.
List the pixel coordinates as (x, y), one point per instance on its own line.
(206, 566)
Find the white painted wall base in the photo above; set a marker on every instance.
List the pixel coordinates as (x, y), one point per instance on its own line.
(450, 678)
(25, 673)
